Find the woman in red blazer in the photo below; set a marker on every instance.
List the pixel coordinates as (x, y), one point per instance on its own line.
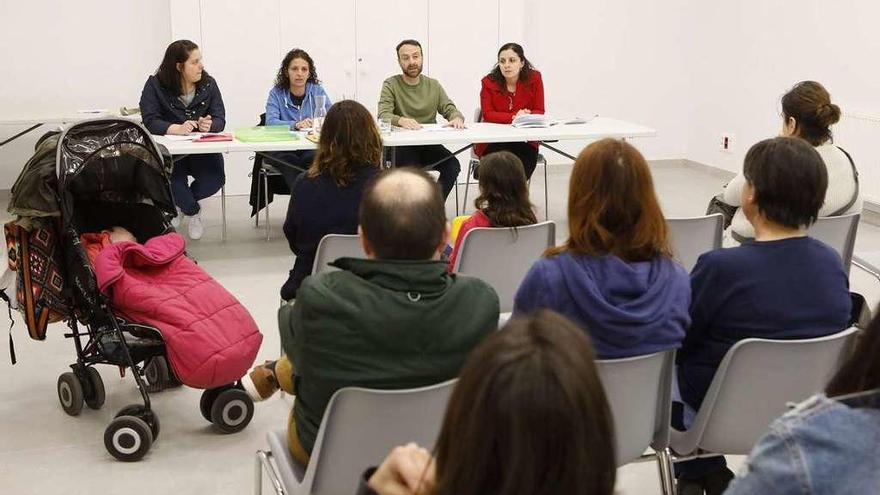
(511, 89)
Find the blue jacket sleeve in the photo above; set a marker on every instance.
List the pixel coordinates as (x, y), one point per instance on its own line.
(151, 111)
(531, 294)
(217, 110)
(273, 110)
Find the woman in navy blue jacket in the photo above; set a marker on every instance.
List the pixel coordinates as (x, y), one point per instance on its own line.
(179, 99)
(326, 199)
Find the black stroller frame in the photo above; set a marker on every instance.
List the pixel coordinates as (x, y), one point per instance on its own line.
(117, 162)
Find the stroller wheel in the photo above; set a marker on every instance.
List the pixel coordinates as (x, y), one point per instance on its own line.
(96, 401)
(70, 393)
(128, 438)
(232, 410)
(156, 373)
(209, 396)
(148, 417)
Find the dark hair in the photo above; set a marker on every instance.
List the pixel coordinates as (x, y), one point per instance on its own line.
(403, 215)
(814, 114)
(504, 194)
(167, 73)
(524, 73)
(407, 42)
(861, 371)
(282, 79)
(612, 205)
(789, 179)
(528, 416)
(349, 139)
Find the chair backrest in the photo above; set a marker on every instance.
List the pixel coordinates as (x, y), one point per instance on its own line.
(839, 233)
(361, 426)
(639, 392)
(502, 256)
(334, 246)
(691, 237)
(755, 381)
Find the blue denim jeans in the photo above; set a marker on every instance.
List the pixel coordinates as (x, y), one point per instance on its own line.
(208, 177)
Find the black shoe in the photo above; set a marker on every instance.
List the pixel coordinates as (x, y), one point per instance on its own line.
(716, 482)
(690, 487)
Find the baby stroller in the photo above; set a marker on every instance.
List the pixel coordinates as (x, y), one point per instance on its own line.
(111, 173)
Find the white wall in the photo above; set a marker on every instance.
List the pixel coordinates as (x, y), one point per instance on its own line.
(624, 59)
(62, 56)
(745, 55)
(691, 69)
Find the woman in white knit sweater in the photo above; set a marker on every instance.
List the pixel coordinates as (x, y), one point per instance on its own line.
(808, 113)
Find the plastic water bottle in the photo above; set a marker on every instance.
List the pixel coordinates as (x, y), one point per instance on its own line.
(319, 113)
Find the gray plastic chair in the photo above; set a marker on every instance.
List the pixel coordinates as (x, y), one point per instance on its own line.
(691, 237)
(839, 233)
(753, 385)
(475, 160)
(639, 392)
(359, 428)
(334, 246)
(503, 256)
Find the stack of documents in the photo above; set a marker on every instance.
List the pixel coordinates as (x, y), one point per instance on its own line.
(528, 120)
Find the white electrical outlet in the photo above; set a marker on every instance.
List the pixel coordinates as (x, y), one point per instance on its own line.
(726, 142)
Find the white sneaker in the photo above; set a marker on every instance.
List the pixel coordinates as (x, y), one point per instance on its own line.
(195, 227)
(175, 222)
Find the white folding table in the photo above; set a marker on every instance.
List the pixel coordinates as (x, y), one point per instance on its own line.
(476, 132)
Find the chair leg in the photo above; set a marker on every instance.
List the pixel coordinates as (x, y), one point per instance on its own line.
(546, 199)
(667, 474)
(456, 197)
(223, 210)
(266, 184)
(258, 473)
(257, 215)
(467, 184)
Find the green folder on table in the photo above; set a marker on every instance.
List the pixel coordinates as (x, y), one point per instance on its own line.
(266, 133)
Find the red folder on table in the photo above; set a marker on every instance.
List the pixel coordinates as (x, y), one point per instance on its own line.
(213, 137)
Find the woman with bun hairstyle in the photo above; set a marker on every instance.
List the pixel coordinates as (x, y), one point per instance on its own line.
(808, 113)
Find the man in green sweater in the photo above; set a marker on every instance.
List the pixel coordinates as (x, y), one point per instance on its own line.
(411, 99)
(395, 320)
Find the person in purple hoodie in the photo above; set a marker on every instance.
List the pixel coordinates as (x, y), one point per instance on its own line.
(614, 276)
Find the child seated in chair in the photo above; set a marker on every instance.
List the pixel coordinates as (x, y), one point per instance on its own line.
(503, 199)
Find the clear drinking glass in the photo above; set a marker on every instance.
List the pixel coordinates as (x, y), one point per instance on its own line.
(385, 125)
(319, 113)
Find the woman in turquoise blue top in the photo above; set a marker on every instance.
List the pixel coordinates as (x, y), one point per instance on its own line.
(292, 102)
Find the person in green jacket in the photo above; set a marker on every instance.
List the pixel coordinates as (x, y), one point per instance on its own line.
(411, 99)
(395, 320)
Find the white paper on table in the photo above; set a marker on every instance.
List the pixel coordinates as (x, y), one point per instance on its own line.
(187, 137)
(438, 128)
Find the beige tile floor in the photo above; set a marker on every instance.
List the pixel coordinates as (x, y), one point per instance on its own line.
(44, 451)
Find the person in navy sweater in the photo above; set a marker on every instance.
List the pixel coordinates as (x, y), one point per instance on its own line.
(615, 275)
(181, 98)
(325, 200)
(781, 285)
